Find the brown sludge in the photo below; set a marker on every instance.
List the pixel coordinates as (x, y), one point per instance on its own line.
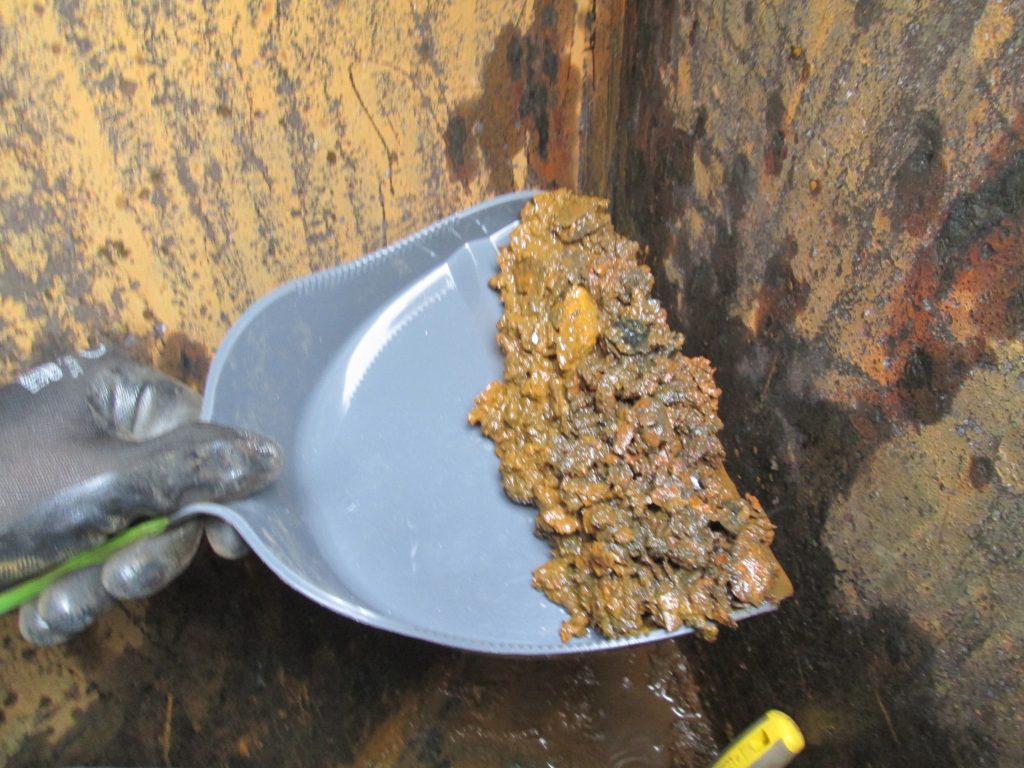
(605, 426)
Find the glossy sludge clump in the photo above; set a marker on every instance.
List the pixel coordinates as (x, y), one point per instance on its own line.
(609, 430)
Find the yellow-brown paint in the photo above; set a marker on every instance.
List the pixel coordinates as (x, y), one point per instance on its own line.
(163, 166)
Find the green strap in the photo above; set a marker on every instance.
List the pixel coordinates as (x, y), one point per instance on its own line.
(20, 594)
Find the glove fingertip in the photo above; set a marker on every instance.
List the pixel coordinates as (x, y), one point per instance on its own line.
(225, 541)
(147, 566)
(35, 629)
(134, 402)
(74, 602)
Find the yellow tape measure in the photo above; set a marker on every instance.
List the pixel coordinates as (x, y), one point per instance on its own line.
(771, 742)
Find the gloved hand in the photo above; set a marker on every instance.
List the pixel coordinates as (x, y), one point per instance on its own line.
(90, 444)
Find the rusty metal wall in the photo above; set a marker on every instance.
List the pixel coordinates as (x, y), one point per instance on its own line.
(833, 195)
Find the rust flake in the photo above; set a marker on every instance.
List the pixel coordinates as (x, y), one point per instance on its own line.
(964, 290)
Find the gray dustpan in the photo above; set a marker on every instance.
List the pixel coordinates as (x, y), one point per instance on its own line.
(390, 508)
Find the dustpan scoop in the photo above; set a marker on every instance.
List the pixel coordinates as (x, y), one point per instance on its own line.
(390, 508)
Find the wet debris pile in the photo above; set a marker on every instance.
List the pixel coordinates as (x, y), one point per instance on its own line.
(605, 426)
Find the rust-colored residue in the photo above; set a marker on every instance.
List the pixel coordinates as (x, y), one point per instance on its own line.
(963, 292)
(610, 431)
(183, 358)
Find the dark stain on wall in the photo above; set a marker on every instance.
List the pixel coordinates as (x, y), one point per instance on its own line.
(974, 217)
(974, 261)
(919, 181)
(526, 85)
(775, 145)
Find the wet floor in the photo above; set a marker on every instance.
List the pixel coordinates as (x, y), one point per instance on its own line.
(627, 708)
(231, 668)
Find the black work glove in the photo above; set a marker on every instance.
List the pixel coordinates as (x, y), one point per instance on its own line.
(90, 444)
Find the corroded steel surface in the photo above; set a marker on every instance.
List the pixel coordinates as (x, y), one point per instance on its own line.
(833, 194)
